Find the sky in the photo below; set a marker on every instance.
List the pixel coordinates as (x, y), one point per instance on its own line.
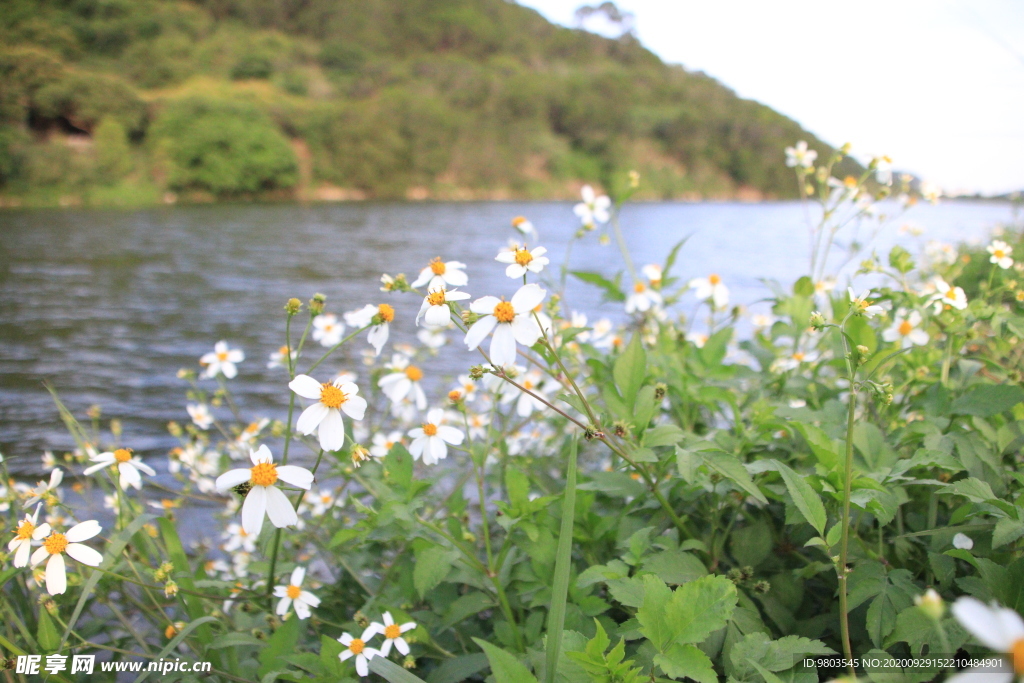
(937, 85)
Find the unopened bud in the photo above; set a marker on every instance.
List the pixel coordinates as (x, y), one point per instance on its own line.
(931, 604)
(316, 304)
(817, 320)
(293, 306)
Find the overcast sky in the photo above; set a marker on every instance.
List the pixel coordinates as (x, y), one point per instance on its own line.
(938, 85)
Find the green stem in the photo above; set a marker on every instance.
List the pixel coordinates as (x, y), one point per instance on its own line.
(842, 570)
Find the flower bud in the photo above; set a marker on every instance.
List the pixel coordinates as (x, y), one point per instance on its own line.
(293, 306)
(817, 320)
(931, 604)
(634, 179)
(170, 589)
(316, 304)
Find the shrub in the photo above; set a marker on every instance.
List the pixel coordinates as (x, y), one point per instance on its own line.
(113, 153)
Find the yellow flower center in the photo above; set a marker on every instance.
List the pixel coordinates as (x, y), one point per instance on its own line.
(504, 312)
(1017, 650)
(331, 396)
(437, 267)
(55, 543)
(951, 293)
(253, 427)
(25, 530)
(714, 279)
(518, 220)
(430, 429)
(386, 313)
(222, 356)
(414, 373)
(123, 454)
(294, 592)
(850, 181)
(999, 253)
(905, 328)
(799, 356)
(527, 384)
(639, 288)
(523, 257)
(436, 298)
(283, 350)
(264, 474)
(392, 631)
(356, 646)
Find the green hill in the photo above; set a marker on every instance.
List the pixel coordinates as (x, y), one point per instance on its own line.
(136, 101)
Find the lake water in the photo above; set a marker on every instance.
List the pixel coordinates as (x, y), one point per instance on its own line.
(108, 305)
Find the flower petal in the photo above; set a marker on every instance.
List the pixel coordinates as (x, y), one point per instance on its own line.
(83, 532)
(279, 508)
(481, 328)
(296, 476)
(982, 622)
(56, 575)
(306, 387)
(231, 479)
(528, 297)
(332, 431)
(484, 305)
(253, 509)
(503, 346)
(84, 554)
(311, 418)
(355, 407)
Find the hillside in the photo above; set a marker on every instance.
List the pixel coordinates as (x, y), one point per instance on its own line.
(140, 101)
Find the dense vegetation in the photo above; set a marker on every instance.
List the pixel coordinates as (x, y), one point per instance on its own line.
(378, 98)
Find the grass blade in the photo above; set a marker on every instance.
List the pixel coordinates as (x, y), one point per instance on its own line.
(563, 563)
(392, 672)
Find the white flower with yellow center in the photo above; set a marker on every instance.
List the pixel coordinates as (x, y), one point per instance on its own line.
(799, 155)
(698, 339)
(512, 321)
(999, 629)
(263, 498)
(378, 318)
(321, 501)
(279, 358)
(861, 305)
(128, 466)
(200, 415)
(356, 647)
(946, 295)
(711, 288)
(56, 544)
(478, 423)
(332, 399)
(466, 386)
(762, 321)
(45, 490)
(1002, 254)
(906, 329)
(642, 298)
(383, 443)
(434, 311)
(793, 361)
(524, 226)
(392, 633)
(432, 337)
(327, 329)
(403, 382)
(442, 274)
(238, 539)
(652, 272)
(222, 360)
(525, 403)
(28, 530)
(293, 594)
(883, 169)
(521, 260)
(430, 440)
(593, 209)
(940, 252)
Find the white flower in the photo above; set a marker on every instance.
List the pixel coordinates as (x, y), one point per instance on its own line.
(524, 226)
(699, 339)
(45, 489)
(49, 461)
(279, 358)
(238, 539)
(997, 628)
(525, 403)
(930, 191)
(327, 330)
(434, 310)
(26, 532)
(430, 440)
(940, 252)
(403, 382)
(762, 320)
(331, 399)
(800, 155)
(593, 209)
(947, 295)
(432, 337)
(652, 272)
(793, 361)
(1001, 254)
(711, 287)
(522, 260)
(55, 544)
(127, 465)
(883, 170)
(962, 542)
(200, 415)
(356, 647)
(383, 443)
(862, 305)
(466, 386)
(322, 501)
(378, 316)
(293, 593)
(222, 361)
(392, 633)
(263, 497)
(906, 329)
(642, 299)
(512, 321)
(442, 274)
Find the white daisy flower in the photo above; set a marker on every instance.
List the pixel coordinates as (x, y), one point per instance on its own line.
(883, 169)
(525, 403)
(593, 209)
(512, 321)
(999, 629)
(293, 593)
(45, 489)
(524, 226)
(383, 443)
(906, 329)
(799, 155)
(327, 330)
(478, 423)
(356, 647)
(1001, 254)
(28, 530)
(940, 252)
(930, 192)
(435, 310)
(49, 460)
(279, 358)
(392, 633)
(127, 465)
(403, 382)
(442, 274)
(862, 305)
(263, 498)
(222, 360)
(331, 400)
(321, 501)
(963, 542)
(466, 386)
(432, 337)
(200, 415)
(521, 260)
(652, 272)
(698, 339)
(379, 317)
(946, 295)
(642, 299)
(762, 320)
(793, 361)
(432, 438)
(55, 544)
(711, 287)
(238, 539)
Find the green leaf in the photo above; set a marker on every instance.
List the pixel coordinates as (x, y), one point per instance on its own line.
(458, 669)
(803, 287)
(729, 467)
(662, 435)
(281, 643)
(629, 371)
(466, 606)
(174, 642)
(651, 615)
(820, 444)
(398, 464)
(986, 400)
(674, 567)
(1007, 531)
(235, 639)
(686, 661)
(974, 490)
(700, 607)
(806, 499)
(46, 633)
(629, 592)
(505, 667)
(612, 291)
(391, 672)
(563, 565)
(432, 565)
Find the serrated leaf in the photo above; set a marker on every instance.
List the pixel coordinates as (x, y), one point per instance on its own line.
(432, 565)
(674, 567)
(505, 667)
(731, 468)
(986, 400)
(700, 607)
(662, 435)
(686, 661)
(806, 499)
(1007, 531)
(652, 613)
(629, 371)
